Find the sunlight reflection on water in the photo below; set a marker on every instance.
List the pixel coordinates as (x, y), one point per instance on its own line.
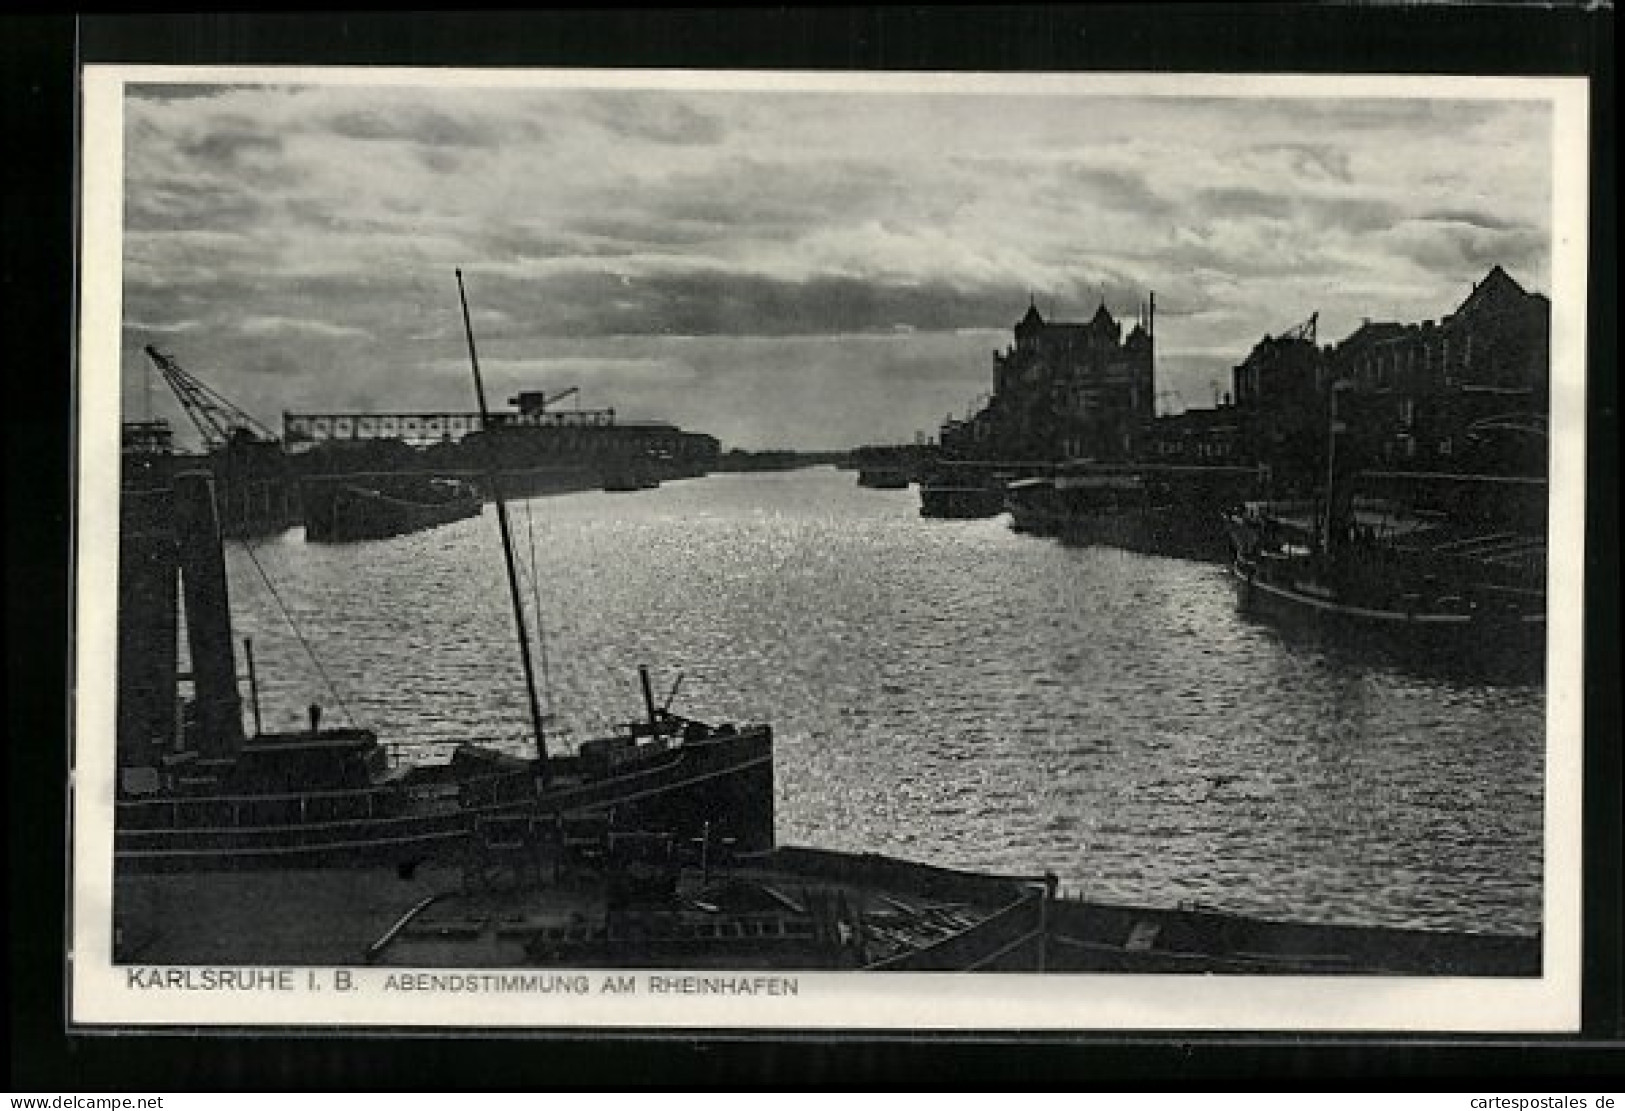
(948, 691)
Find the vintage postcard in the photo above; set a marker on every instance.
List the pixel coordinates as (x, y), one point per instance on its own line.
(866, 551)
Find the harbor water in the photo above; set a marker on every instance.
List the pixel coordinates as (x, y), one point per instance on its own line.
(945, 691)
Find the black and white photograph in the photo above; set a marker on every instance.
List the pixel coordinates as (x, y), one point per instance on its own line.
(649, 549)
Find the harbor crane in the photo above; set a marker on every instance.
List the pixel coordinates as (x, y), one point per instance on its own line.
(536, 402)
(1304, 331)
(217, 418)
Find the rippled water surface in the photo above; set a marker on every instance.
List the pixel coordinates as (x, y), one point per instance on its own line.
(947, 691)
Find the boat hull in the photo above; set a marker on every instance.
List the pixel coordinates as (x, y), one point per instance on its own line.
(722, 787)
(726, 784)
(364, 843)
(339, 512)
(1173, 531)
(1506, 642)
(904, 916)
(961, 502)
(1389, 607)
(882, 478)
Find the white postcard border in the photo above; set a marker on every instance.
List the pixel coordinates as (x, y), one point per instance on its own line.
(102, 994)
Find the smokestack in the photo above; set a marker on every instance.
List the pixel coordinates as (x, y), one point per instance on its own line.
(202, 562)
(649, 701)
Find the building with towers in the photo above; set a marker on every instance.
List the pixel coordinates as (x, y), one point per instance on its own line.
(1064, 391)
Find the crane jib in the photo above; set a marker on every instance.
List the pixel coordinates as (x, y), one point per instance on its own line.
(216, 417)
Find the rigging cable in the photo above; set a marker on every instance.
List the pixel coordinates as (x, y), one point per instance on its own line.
(303, 643)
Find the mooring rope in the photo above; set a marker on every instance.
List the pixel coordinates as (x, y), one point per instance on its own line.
(299, 636)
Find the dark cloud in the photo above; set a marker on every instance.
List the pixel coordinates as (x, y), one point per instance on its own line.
(1120, 190)
(230, 151)
(239, 303)
(528, 243)
(1305, 162)
(1477, 219)
(746, 201)
(723, 303)
(706, 303)
(1350, 213)
(629, 233)
(1352, 114)
(1240, 200)
(271, 361)
(1247, 250)
(1315, 213)
(654, 117)
(1063, 183)
(440, 160)
(163, 94)
(770, 270)
(757, 196)
(179, 203)
(1457, 250)
(237, 142)
(428, 126)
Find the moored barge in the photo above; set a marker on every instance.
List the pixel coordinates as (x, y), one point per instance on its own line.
(348, 508)
(883, 478)
(585, 898)
(1417, 582)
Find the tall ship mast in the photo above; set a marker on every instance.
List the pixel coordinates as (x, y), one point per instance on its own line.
(514, 594)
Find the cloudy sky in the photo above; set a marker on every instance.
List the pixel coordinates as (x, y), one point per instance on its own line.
(808, 268)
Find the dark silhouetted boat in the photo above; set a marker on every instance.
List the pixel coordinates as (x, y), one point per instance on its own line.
(1119, 509)
(1385, 571)
(348, 508)
(964, 490)
(1415, 580)
(624, 478)
(883, 478)
(1049, 505)
(607, 900)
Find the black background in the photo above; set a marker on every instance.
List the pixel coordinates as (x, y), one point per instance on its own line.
(38, 57)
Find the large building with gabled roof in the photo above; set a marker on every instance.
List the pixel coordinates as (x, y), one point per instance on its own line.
(1467, 392)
